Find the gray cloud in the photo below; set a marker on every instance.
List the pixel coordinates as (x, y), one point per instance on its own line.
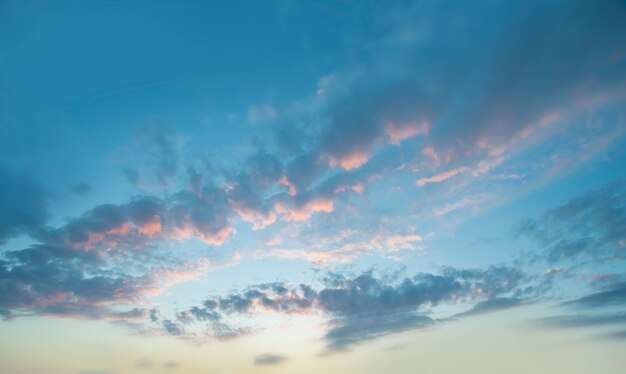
(348, 331)
(171, 327)
(493, 305)
(171, 365)
(588, 225)
(145, 364)
(614, 296)
(618, 335)
(366, 307)
(583, 320)
(602, 308)
(269, 359)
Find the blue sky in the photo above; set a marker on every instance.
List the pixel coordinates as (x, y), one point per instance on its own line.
(322, 185)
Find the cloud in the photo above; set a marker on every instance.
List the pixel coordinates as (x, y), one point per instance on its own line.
(269, 359)
(171, 327)
(493, 305)
(474, 107)
(23, 204)
(60, 280)
(358, 329)
(154, 159)
(441, 176)
(263, 113)
(589, 225)
(569, 321)
(171, 365)
(145, 364)
(366, 307)
(51, 279)
(618, 335)
(397, 133)
(614, 296)
(601, 308)
(204, 215)
(462, 110)
(302, 210)
(347, 246)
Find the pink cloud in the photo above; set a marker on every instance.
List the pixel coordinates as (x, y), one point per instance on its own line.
(284, 181)
(301, 213)
(258, 219)
(275, 240)
(397, 133)
(316, 257)
(350, 161)
(441, 176)
(150, 227)
(192, 271)
(485, 166)
(432, 154)
(216, 238)
(108, 237)
(210, 237)
(342, 250)
(395, 243)
(448, 208)
(358, 188)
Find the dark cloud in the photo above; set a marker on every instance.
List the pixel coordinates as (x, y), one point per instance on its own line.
(102, 257)
(172, 328)
(614, 296)
(154, 315)
(366, 307)
(50, 279)
(269, 359)
(348, 331)
(588, 225)
(202, 314)
(493, 305)
(602, 308)
(132, 225)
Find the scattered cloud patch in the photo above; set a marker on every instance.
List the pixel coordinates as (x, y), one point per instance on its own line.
(269, 359)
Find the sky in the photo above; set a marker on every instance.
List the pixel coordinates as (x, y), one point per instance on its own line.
(312, 186)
